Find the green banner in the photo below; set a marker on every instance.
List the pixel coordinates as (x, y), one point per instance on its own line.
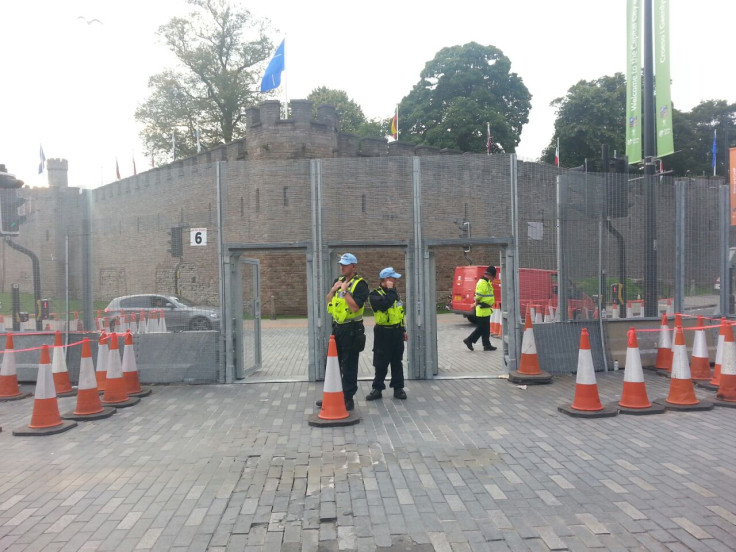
(665, 145)
(633, 80)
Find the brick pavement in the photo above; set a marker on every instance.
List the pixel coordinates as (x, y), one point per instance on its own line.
(463, 464)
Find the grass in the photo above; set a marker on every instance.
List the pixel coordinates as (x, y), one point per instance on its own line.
(57, 305)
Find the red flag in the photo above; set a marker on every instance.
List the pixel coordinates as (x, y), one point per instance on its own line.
(395, 126)
(117, 169)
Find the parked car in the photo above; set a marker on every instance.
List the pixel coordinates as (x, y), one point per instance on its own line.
(180, 314)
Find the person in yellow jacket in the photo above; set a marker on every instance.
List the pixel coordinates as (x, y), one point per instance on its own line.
(345, 302)
(389, 335)
(484, 301)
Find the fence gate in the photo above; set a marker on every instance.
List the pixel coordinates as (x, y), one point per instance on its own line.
(245, 315)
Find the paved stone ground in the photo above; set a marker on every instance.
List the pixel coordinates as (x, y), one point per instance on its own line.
(462, 465)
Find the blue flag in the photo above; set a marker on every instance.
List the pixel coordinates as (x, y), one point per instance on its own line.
(272, 76)
(42, 162)
(713, 153)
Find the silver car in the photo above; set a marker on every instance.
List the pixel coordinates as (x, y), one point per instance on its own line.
(180, 314)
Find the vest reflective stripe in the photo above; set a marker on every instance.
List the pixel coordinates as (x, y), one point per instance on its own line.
(484, 295)
(339, 308)
(394, 315)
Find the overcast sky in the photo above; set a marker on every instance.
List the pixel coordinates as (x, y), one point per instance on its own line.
(73, 87)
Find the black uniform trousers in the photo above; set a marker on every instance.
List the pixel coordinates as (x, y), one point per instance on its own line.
(350, 340)
(388, 349)
(482, 331)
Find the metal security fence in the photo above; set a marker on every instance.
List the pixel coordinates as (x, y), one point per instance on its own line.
(574, 249)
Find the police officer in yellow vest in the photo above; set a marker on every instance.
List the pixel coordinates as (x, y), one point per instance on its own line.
(389, 335)
(484, 301)
(345, 303)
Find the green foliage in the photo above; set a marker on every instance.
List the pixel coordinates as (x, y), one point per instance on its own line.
(460, 90)
(221, 52)
(352, 119)
(58, 305)
(591, 114)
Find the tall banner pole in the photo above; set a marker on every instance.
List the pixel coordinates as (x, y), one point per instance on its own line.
(732, 183)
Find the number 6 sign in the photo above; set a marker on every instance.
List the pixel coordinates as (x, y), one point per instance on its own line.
(198, 236)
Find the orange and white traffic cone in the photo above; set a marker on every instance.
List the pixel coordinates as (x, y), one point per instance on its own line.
(664, 347)
(101, 368)
(715, 381)
(333, 411)
(726, 395)
(495, 318)
(59, 369)
(88, 406)
(9, 389)
(45, 419)
(700, 359)
(634, 399)
(587, 402)
(682, 391)
(116, 392)
(142, 324)
(130, 370)
(162, 322)
(629, 310)
(529, 371)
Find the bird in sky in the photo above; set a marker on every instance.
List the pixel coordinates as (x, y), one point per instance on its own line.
(89, 21)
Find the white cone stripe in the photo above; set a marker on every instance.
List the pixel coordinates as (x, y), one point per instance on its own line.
(528, 345)
(8, 367)
(102, 355)
(700, 347)
(114, 367)
(538, 318)
(719, 349)
(665, 339)
(58, 362)
(162, 328)
(333, 383)
(129, 364)
(45, 388)
(633, 371)
(680, 365)
(87, 378)
(728, 366)
(586, 372)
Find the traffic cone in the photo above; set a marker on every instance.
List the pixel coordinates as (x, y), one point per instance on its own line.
(700, 360)
(130, 370)
(2, 323)
(495, 322)
(9, 390)
(682, 391)
(726, 395)
(539, 317)
(133, 323)
(629, 310)
(634, 399)
(715, 381)
(614, 311)
(162, 323)
(45, 419)
(549, 314)
(116, 393)
(102, 354)
(664, 347)
(152, 324)
(529, 371)
(333, 411)
(58, 368)
(88, 406)
(587, 402)
(142, 323)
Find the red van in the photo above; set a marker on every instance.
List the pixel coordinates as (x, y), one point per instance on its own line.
(537, 288)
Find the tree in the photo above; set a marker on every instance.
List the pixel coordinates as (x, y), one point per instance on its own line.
(591, 114)
(221, 50)
(459, 91)
(352, 119)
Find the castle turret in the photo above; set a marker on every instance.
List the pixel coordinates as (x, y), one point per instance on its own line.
(58, 173)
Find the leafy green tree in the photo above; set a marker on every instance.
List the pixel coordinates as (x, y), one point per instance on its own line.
(459, 91)
(352, 119)
(591, 114)
(221, 50)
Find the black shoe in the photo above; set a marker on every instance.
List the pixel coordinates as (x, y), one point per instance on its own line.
(349, 404)
(373, 395)
(399, 394)
(468, 344)
(491, 348)
(318, 403)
